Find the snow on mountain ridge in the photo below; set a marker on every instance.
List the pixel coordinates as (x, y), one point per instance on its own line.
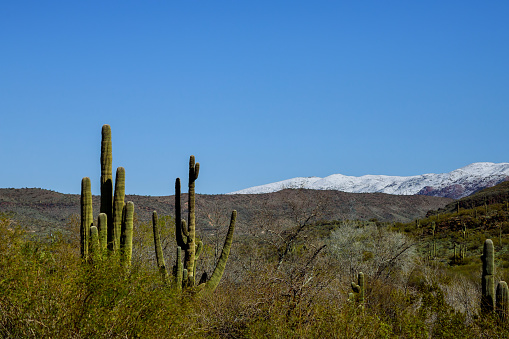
(465, 180)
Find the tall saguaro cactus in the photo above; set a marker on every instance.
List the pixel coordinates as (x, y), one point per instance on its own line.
(184, 274)
(117, 208)
(86, 217)
(115, 221)
(190, 251)
(488, 282)
(107, 181)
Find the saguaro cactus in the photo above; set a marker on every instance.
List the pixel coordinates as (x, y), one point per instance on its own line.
(433, 228)
(86, 217)
(488, 282)
(178, 271)
(95, 246)
(464, 245)
(190, 253)
(118, 207)
(126, 239)
(502, 300)
(185, 234)
(359, 289)
(111, 235)
(102, 225)
(107, 181)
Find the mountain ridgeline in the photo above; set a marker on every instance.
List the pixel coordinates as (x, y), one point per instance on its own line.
(498, 194)
(43, 211)
(456, 184)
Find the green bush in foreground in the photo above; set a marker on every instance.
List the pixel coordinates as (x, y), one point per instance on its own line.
(47, 291)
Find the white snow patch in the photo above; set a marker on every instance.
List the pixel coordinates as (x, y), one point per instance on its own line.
(468, 177)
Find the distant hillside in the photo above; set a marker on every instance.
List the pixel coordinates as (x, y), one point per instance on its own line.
(456, 184)
(42, 210)
(497, 194)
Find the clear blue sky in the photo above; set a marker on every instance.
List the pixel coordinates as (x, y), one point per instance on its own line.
(259, 91)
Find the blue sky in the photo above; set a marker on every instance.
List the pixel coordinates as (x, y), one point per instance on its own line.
(259, 91)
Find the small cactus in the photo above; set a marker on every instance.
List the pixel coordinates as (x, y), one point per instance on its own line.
(433, 228)
(95, 246)
(359, 289)
(502, 304)
(102, 225)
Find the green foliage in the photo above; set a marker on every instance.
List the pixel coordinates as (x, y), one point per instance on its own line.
(47, 292)
(447, 323)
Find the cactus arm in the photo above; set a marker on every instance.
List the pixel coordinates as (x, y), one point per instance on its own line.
(159, 249)
(180, 227)
(185, 230)
(184, 276)
(118, 206)
(106, 179)
(212, 283)
(86, 217)
(199, 248)
(196, 170)
(102, 225)
(356, 288)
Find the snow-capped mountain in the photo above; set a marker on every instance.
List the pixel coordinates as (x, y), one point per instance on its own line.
(456, 184)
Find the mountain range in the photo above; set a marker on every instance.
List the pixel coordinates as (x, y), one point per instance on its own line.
(456, 184)
(42, 211)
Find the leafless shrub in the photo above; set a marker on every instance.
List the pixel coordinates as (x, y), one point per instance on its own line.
(377, 252)
(463, 295)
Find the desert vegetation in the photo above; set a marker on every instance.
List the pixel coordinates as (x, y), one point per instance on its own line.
(298, 274)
